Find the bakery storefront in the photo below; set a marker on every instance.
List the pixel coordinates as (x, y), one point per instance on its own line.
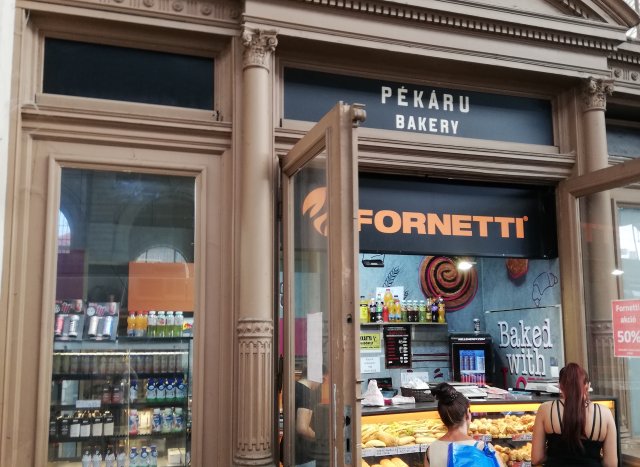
(209, 203)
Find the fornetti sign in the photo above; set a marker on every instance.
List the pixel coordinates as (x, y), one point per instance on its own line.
(308, 95)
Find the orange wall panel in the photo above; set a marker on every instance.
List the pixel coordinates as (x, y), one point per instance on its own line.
(161, 286)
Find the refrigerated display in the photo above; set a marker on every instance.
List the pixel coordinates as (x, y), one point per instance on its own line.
(405, 432)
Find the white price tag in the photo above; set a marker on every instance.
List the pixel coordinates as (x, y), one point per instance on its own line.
(88, 404)
(408, 449)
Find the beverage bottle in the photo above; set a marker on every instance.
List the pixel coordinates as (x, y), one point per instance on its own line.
(403, 311)
(161, 323)
(145, 322)
(364, 310)
(144, 457)
(156, 421)
(133, 391)
(133, 421)
(180, 322)
(153, 457)
(434, 311)
(152, 393)
(110, 458)
(170, 325)
(86, 458)
(160, 391)
(372, 310)
(396, 309)
(385, 313)
(422, 311)
(137, 324)
(441, 311)
(169, 391)
(152, 320)
(96, 460)
(388, 296)
(121, 458)
(131, 324)
(178, 420)
(428, 310)
(133, 457)
(180, 390)
(379, 306)
(167, 420)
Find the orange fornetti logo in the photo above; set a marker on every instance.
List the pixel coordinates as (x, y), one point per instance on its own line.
(390, 222)
(315, 202)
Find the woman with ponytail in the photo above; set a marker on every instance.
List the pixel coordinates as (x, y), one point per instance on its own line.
(454, 412)
(573, 430)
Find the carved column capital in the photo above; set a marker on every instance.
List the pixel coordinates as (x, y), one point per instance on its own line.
(258, 46)
(594, 93)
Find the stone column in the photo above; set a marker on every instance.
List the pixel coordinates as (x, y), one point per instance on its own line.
(598, 232)
(253, 444)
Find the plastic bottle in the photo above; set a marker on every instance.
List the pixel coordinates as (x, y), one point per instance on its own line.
(403, 311)
(139, 324)
(133, 457)
(434, 311)
(145, 322)
(170, 325)
(179, 319)
(144, 457)
(372, 310)
(96, 460)
(422, 311)
(178, 420)
(379, 306)
(152, 393)
(441, 311)
(152, 321)
(167, 420)
(364, 310)
(180, 390)
(131, 324)
(109, 458)
(169, 391)
(86, 458)
(156, 421)
(388, 296)
(121, 458)
(397, 311)
(133, 421)
(153, 457)
(161, 323)
(160, 390)
(133, 391)
(385, 312)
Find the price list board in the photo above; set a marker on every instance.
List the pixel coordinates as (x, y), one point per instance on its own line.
(397, 346)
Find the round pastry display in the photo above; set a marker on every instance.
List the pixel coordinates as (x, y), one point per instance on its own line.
(440, 277)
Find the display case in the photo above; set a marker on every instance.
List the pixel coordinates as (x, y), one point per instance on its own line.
(118, 398)
(403, 433)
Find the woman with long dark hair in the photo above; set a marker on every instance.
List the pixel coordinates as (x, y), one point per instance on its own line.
(453, 408)
(573, 430)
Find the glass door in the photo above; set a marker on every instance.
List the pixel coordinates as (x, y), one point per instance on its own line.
(320, 241)
(604, 207)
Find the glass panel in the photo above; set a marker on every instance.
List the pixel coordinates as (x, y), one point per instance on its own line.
(610, 224)
(125, 74)
(310, 298)
(122, 359)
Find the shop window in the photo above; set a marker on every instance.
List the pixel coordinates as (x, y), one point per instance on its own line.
(161, 254)
(127, 74)
(64, 234)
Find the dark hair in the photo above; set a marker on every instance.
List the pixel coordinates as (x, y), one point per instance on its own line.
(574, 382)
(452, 405)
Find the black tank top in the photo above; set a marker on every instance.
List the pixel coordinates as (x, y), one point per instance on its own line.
(558, 454)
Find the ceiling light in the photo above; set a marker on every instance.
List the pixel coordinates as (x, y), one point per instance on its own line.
(617, 272)
(465, 265)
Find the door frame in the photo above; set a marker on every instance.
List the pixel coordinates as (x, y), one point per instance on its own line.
(336, 134)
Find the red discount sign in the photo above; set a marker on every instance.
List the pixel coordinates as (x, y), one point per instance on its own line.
(626, 328)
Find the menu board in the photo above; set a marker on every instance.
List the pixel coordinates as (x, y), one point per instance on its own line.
(397, 346)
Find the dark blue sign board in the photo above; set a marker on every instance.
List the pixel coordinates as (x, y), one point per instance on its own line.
(419, 216)
(308, 95)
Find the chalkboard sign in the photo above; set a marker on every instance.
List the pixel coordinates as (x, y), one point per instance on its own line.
(397, 347)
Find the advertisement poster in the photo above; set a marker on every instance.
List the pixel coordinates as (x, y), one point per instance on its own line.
(528, 344)
(626, 328)
(397, 347)
(370, 342)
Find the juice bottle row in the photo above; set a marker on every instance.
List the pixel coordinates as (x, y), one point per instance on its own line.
(155, 324)
(389, 309)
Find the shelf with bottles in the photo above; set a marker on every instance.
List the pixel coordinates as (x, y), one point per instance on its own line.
(388, 308)
(396, 323)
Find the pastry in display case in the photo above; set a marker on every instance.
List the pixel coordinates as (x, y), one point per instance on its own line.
(395, 436)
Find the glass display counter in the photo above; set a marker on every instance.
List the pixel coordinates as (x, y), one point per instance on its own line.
(401, 434)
